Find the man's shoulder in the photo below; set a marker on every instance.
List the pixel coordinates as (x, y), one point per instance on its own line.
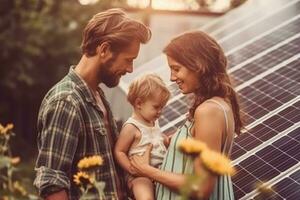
(64, 90)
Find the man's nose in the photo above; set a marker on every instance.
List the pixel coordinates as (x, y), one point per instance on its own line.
(129, 68)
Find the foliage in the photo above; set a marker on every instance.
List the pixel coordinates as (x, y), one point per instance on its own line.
(39, 40)
(10, 187)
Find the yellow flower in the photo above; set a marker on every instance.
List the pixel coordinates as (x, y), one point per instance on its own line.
(192, 146)
(1, 129)
(15, 160)
(9, 126)
(19, 188)
(90, 162)
(5, 130)
(82, 178)
(217, 163)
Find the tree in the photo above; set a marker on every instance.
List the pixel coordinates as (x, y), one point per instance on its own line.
(39, 40)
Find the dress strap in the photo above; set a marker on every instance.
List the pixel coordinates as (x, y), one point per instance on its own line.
(225, 114)
(225, 145)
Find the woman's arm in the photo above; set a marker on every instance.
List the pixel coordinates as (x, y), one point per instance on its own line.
(125, 140)
(208, 128)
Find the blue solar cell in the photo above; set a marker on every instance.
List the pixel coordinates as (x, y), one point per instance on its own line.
(296, 176)
(237, 151)
(295, 195)
(295, 134)
(289, 188)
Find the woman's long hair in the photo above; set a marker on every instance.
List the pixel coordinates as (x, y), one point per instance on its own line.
(199, 52)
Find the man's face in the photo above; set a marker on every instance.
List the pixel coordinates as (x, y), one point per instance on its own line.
(117, 66)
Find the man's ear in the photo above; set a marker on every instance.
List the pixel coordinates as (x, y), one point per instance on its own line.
(104, 51)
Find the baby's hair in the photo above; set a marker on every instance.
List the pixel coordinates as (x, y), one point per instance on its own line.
(146, 86)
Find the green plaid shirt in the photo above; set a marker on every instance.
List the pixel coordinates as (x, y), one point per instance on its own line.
(71, 126)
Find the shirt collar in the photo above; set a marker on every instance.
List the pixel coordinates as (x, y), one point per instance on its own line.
(82, 85)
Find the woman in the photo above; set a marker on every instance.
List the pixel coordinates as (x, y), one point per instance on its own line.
(198, 66)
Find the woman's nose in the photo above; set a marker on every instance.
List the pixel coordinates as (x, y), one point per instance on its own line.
(172, 77)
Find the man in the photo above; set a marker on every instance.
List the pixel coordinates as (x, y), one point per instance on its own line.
(75, 120)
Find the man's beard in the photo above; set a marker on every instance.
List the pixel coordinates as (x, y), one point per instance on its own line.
(109, 78)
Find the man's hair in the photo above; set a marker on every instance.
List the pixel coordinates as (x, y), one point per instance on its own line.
(145, 87)
(115, 27)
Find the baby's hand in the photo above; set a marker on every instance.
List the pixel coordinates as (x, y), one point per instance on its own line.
(167, 140)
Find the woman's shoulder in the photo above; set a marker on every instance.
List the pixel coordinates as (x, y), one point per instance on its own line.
(208, 109)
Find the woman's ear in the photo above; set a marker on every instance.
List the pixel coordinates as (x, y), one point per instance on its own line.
(104, 51)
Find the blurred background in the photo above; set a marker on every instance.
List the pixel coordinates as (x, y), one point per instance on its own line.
(40, 39)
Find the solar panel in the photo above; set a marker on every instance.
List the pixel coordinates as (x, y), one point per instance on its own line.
(245, 31)
(269, 40)
(267, 74)
(261, 41)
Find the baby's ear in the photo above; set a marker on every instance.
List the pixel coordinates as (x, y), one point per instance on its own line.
(138, 102)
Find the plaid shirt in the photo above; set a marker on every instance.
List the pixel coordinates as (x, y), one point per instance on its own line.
(71, 126)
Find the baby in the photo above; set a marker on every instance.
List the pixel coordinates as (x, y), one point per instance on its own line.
(148, 95)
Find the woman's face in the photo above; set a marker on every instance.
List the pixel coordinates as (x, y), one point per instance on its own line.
(186, 79)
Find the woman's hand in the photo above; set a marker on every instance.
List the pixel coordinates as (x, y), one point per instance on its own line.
(139, 164)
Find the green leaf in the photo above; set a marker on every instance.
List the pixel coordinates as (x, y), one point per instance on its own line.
(100, 188)
(4, 161)
(32, 197)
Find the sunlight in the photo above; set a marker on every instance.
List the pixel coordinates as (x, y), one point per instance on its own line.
(220, 5)
(87, 2)
(165, 4)
(138, 3)
(216, 5)
(174, 5)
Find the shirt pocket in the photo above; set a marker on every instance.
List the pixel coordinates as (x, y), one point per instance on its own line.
(94, 138)
(100, 130)
(95, 129)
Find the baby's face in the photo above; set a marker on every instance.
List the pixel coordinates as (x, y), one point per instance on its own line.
(151, 108)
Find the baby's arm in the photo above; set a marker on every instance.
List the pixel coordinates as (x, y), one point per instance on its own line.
(125, 140)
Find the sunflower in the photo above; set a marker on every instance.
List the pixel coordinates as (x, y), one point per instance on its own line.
(6, 129)
(192, 146)
(82, 178)
(217, 163)
(2, 129)
(90, 162)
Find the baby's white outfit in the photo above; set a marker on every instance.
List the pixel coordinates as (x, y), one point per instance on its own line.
(149, 135)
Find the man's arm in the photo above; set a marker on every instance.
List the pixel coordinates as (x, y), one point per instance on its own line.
(57, 143)
(60, 195)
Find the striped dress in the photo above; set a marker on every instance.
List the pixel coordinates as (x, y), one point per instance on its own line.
(177, 162)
